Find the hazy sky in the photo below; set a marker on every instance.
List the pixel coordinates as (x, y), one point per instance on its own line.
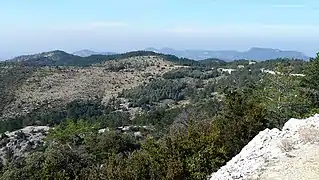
(123, 25)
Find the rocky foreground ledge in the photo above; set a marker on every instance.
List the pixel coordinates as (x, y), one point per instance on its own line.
(290, 154)
(21, 142)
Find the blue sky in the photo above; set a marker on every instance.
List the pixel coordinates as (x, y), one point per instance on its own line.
(122, 25)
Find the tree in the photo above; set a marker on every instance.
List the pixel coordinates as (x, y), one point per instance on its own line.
(242, 119)
(71, 132)
(282, 96)
(311, 81)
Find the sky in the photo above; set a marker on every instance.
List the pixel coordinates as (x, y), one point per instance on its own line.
(123, 25)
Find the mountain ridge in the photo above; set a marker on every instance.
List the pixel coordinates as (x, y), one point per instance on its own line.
(59, 57)
(254, 53)
(55, 57)
(62, 58)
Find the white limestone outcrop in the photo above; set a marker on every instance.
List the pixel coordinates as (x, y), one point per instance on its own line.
(21, 142)
(292, 153)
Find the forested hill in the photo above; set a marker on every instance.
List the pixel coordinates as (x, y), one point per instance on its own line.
(141, 115)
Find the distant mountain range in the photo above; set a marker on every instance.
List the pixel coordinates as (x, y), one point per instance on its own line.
(254, 53)
(87, 53)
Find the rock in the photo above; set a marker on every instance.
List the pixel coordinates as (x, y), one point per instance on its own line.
(275, 154)
(103, 130)
(20, 143)
(138, 134)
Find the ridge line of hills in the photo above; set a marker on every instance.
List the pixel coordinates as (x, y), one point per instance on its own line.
(258, 54)
(61, 58)
(254, 53)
